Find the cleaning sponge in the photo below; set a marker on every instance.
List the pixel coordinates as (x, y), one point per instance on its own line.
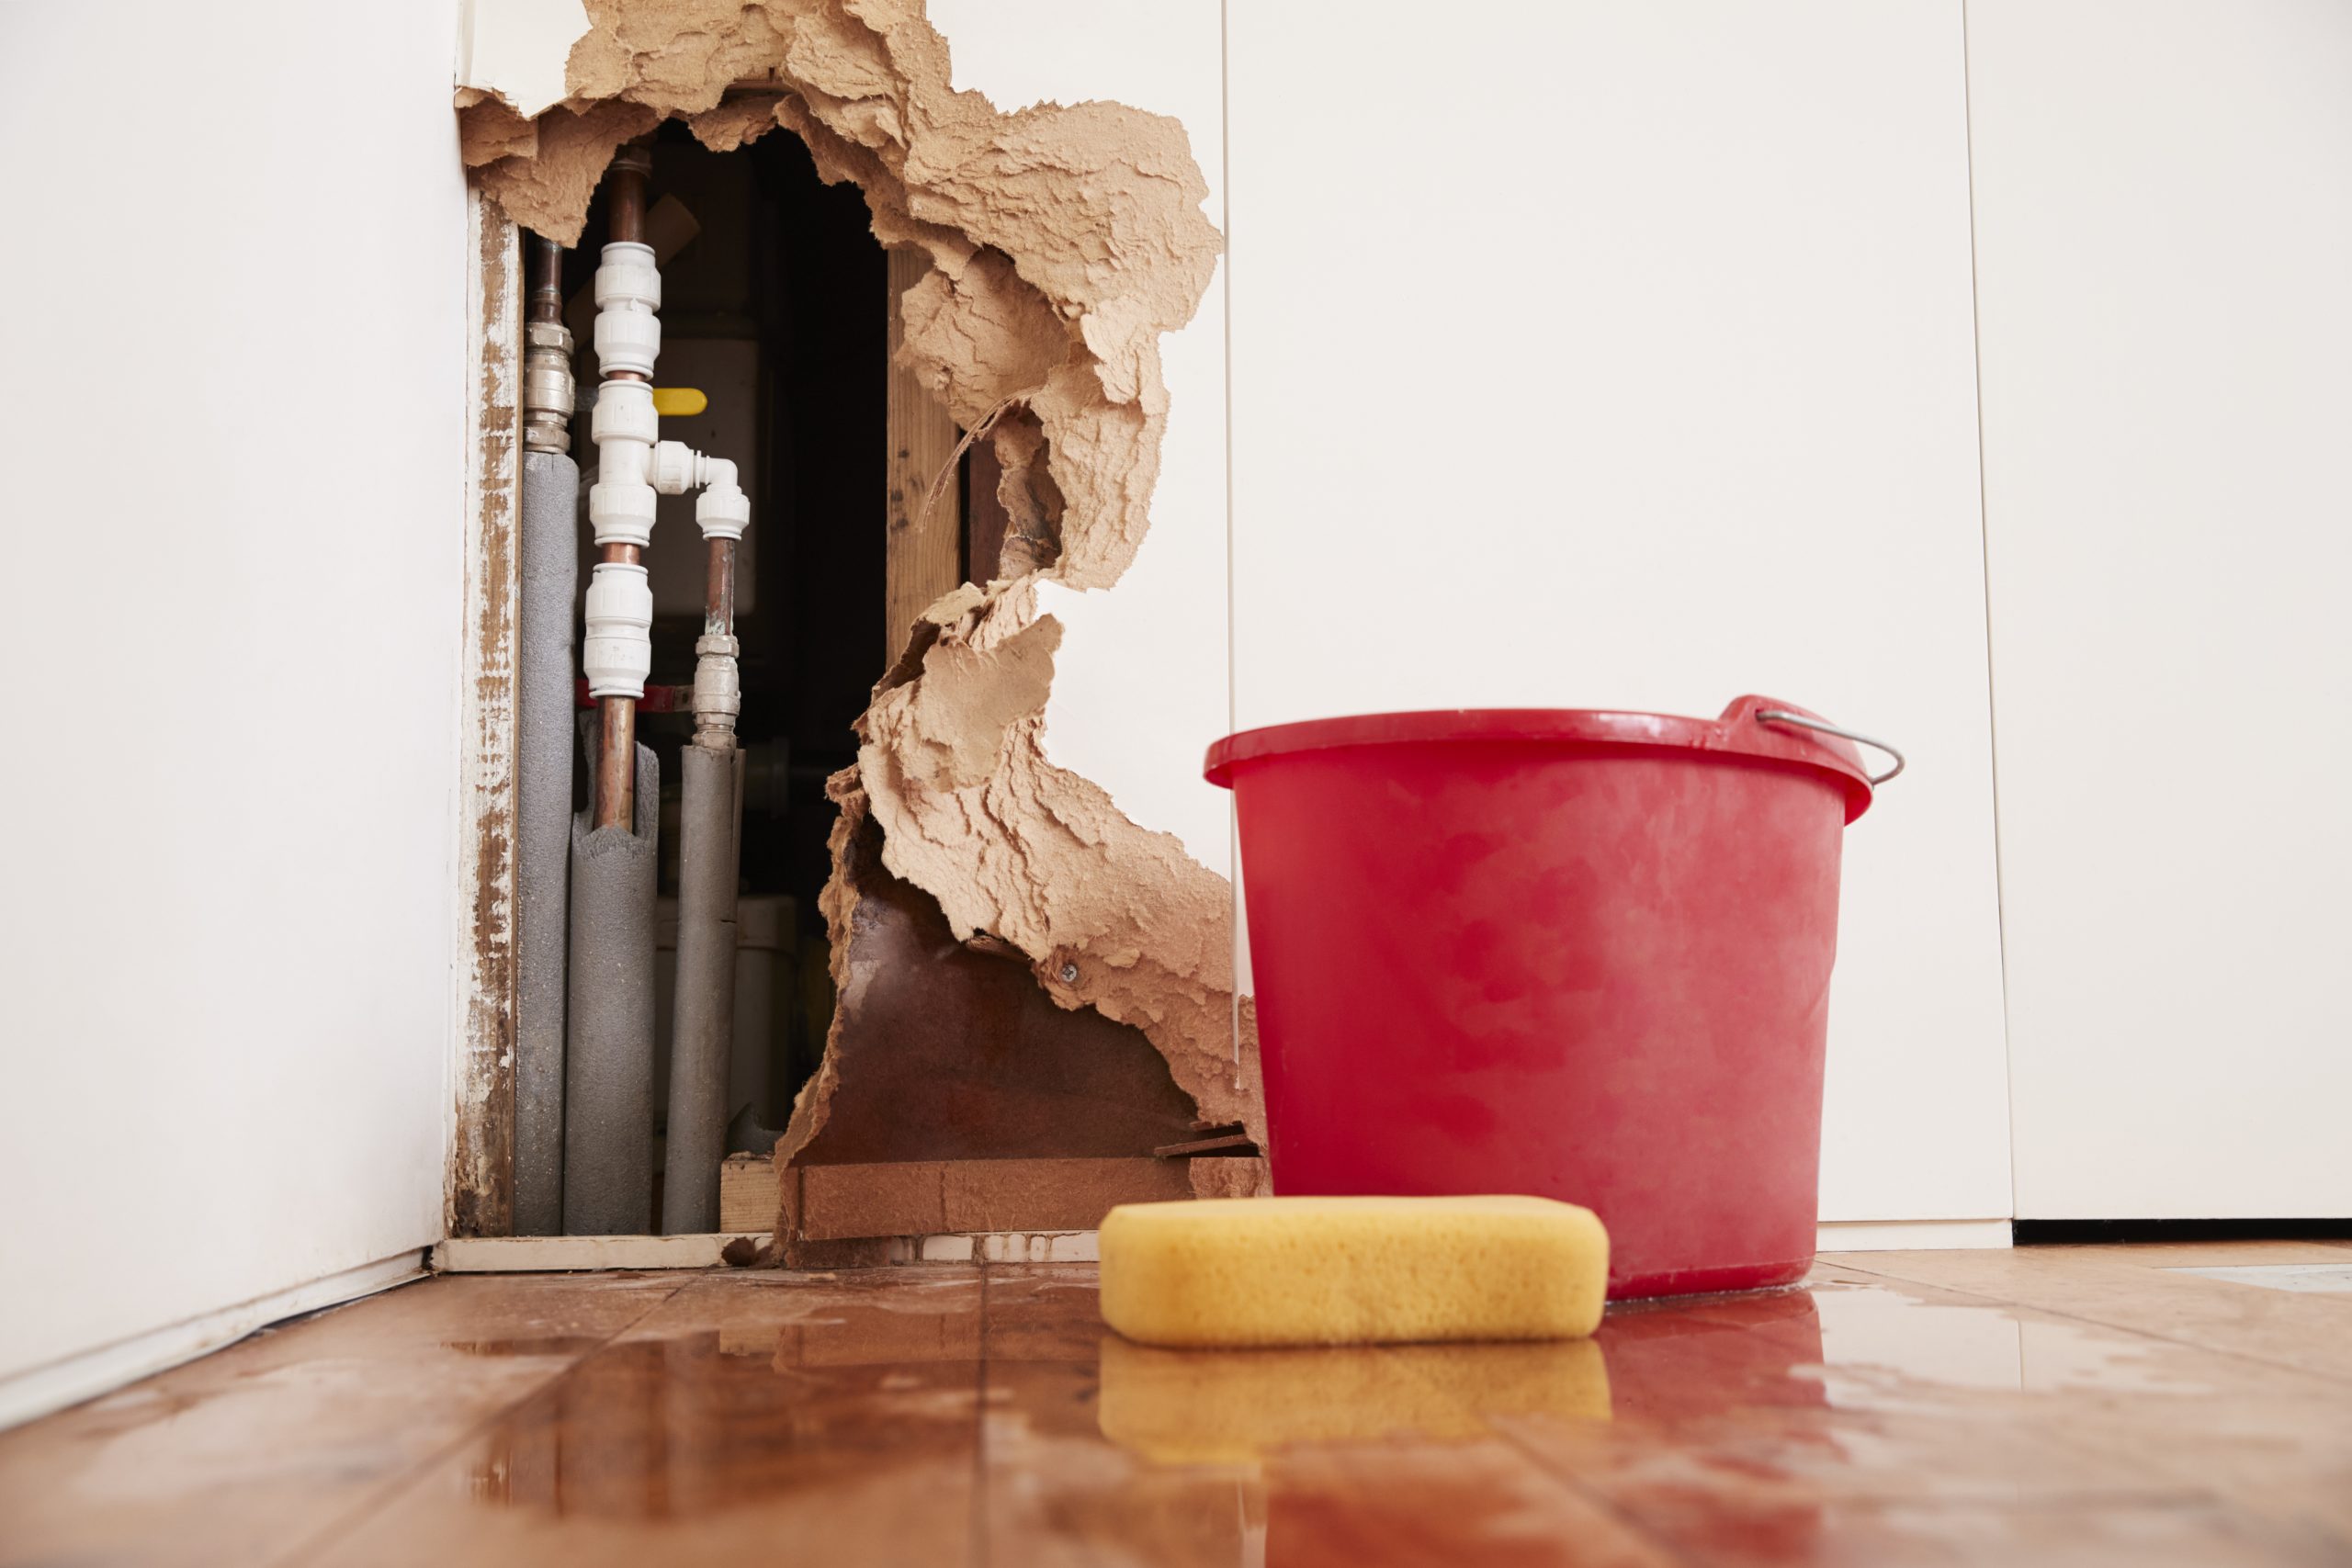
(1250, 1271)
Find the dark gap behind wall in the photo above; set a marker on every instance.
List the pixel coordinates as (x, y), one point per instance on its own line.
(776, 310)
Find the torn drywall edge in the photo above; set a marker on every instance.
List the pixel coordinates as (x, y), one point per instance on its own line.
(513, 50)
(1063, 243)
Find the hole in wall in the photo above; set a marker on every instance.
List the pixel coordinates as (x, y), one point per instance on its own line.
(1050, 246)
(775, 310)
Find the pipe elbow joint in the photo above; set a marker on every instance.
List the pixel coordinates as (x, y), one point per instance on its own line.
(723, 512)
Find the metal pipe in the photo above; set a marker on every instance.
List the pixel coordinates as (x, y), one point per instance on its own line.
(703, 1017)
(545, 300)
(616, 737)
(616, 716)
(546, 752)
(625, 219)
(719, 589)
(547, 756)
(702, 1033)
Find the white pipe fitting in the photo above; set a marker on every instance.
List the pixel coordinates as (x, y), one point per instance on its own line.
(628, 291)
(634, 467)
(618, 653)
(723, 512)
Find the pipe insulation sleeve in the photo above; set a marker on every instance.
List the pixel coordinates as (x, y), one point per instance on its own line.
(544, 761)
(617, 654)
(608, 1078)
(702, 1021)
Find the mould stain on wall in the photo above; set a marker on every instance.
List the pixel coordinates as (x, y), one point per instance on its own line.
(1063, 240)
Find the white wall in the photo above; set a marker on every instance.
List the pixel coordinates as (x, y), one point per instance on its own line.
(2163, 200)
(1592, 355)
(233, 428)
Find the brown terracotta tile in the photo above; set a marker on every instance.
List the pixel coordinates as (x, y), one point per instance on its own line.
(940, 1415)
(242, 1456)
(1100, 1450)
(2308, 1332)
(751, 1412)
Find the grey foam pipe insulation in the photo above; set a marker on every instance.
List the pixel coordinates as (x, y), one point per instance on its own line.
(703, 1023)
(608, 1066)
(545, 660)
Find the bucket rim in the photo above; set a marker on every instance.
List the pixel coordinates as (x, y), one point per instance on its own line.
(1736, 734)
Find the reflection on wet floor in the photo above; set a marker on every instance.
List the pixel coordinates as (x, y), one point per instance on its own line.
(1212, 1406)
(1874, 1339)
(971, 1416)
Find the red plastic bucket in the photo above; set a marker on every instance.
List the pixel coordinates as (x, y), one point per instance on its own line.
(1580, 954)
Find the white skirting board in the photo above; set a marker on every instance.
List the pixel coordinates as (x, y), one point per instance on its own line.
(1910, 1236)
(564, 1254)
(93, 1372)
(557, 1253)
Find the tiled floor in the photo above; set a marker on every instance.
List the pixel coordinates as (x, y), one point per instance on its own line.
(2078, 1405)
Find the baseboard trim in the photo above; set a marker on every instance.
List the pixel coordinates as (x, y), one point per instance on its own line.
(40, 1390)
(2104, 1233)
(577, 1254)
(1909, 1236)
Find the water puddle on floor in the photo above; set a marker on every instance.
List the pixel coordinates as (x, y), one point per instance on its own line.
(2323, 1278)
(1883, 1349)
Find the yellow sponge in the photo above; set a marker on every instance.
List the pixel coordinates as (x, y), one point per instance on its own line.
(1250, 1271)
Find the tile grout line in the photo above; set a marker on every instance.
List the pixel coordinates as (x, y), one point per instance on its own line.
(2245, 1356)
(2157, 1493)
(348, 1522)
(1562, 1481)
(1607, 1508)
(978, 1552)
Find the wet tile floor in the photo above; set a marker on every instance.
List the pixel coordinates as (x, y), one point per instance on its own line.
(2063, 1405)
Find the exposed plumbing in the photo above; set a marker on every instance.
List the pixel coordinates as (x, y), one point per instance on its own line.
(709, 825)
(634, 467)
(618, 651)
(545, 746)
(548, 390)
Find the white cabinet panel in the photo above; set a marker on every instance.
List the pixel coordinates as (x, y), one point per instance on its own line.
(2164, 246)
(1621, 355)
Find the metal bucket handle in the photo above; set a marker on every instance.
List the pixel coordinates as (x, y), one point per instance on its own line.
(1782, 715)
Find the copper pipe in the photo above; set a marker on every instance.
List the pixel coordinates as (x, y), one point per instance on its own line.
(718, 591)
(546, 281)
(616, 716)
(617, 763)
(616, 741)
(625, 223)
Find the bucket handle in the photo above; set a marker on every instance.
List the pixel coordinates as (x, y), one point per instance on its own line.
(1782, 715)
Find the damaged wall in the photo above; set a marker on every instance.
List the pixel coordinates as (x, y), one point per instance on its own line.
(1065, 241)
